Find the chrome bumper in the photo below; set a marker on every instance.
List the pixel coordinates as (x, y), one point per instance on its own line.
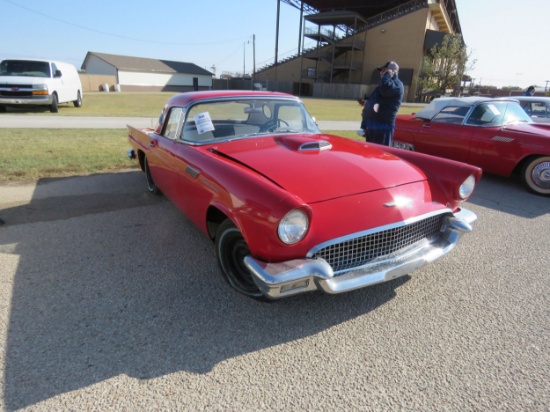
(27, 100)
(277, 280)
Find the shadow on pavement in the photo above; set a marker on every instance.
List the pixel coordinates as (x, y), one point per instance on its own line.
(108, 281)
(508, 195)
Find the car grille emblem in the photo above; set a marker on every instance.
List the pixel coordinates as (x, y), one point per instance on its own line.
(399, 201)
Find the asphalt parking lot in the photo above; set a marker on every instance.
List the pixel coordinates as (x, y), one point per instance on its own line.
(110, 299)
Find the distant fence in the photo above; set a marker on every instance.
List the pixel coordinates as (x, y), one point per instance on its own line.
(339, 90)
(319, 90)
(101, 83)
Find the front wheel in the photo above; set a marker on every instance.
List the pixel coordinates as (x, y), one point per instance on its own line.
(231, 249)
(536, 175)
(151, 185)
(54, 107)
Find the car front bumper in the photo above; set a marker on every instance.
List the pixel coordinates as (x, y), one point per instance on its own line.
(277, 280)
(45, 100)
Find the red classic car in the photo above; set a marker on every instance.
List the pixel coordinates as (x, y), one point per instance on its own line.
(494, 134)
(291, 209)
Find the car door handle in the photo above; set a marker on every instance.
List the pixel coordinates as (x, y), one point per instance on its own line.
(426, 126)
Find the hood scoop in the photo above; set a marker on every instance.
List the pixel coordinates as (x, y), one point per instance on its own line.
(303, 143)
(316, 146)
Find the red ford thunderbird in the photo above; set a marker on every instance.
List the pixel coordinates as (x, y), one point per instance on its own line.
(291, 209)
(494, 134)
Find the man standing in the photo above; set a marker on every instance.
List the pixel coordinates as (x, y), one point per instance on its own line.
(381, 108)
(530, 91)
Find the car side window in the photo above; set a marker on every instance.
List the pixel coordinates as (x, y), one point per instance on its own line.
(451, 114)
(172, 123)
(485, 114)
(54, 70)
(526, 106)
(538, 109)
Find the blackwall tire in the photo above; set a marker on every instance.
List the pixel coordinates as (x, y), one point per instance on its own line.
(231, 249)
(54, 107)
(151, 185)
(78, 101)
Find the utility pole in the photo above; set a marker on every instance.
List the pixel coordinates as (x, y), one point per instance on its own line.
(253, 59)
(277, 31)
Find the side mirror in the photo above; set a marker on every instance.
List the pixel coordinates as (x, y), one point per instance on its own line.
(57, 73)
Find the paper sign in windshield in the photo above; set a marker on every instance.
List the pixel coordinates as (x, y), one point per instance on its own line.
(203, 122)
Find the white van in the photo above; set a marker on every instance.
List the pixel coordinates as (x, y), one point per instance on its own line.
(26, 82)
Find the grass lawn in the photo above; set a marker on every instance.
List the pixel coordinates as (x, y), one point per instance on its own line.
(30, 154)
(150, 104)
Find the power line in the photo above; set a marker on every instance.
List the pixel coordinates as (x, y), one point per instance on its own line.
(118, 35)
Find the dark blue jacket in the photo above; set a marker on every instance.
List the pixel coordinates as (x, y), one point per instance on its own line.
(388, 94)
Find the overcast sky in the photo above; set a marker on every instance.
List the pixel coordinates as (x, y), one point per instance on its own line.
(508, 38)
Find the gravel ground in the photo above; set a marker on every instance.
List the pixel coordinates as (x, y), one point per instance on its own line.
(110, 299)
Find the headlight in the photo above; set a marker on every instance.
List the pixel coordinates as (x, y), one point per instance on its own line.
(293, 227)
(40, 89)
(467, 187)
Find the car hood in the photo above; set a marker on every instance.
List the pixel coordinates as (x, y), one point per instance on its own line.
(321, 167)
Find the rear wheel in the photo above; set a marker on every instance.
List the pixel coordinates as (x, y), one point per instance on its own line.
(536, 175)
(54, 107)
(78, 101)
(231, 249)
(151, 185)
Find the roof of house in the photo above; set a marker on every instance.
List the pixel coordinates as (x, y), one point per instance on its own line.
(143, 64)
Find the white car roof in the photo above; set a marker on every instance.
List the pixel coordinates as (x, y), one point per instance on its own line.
(436, 105)
(531, 98)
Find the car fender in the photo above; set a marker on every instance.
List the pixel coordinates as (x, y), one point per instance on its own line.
(446, 174)
(256, 213)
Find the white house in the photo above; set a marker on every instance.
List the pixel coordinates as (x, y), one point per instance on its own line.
(144, 74)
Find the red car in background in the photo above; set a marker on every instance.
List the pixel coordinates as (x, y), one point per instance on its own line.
(494, 134)
(291, 209)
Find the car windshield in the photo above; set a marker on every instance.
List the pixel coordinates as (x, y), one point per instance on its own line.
(24, 68)
(497, 114)
(245, 117)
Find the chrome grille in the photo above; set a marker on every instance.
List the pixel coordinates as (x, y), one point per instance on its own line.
(360, 250)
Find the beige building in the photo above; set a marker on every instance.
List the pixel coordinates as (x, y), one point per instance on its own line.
(354, 37)
(144, 74)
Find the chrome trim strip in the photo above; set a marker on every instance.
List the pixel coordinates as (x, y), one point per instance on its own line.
(315, 146)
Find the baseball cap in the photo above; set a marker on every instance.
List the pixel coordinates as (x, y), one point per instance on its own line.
(389, 65)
